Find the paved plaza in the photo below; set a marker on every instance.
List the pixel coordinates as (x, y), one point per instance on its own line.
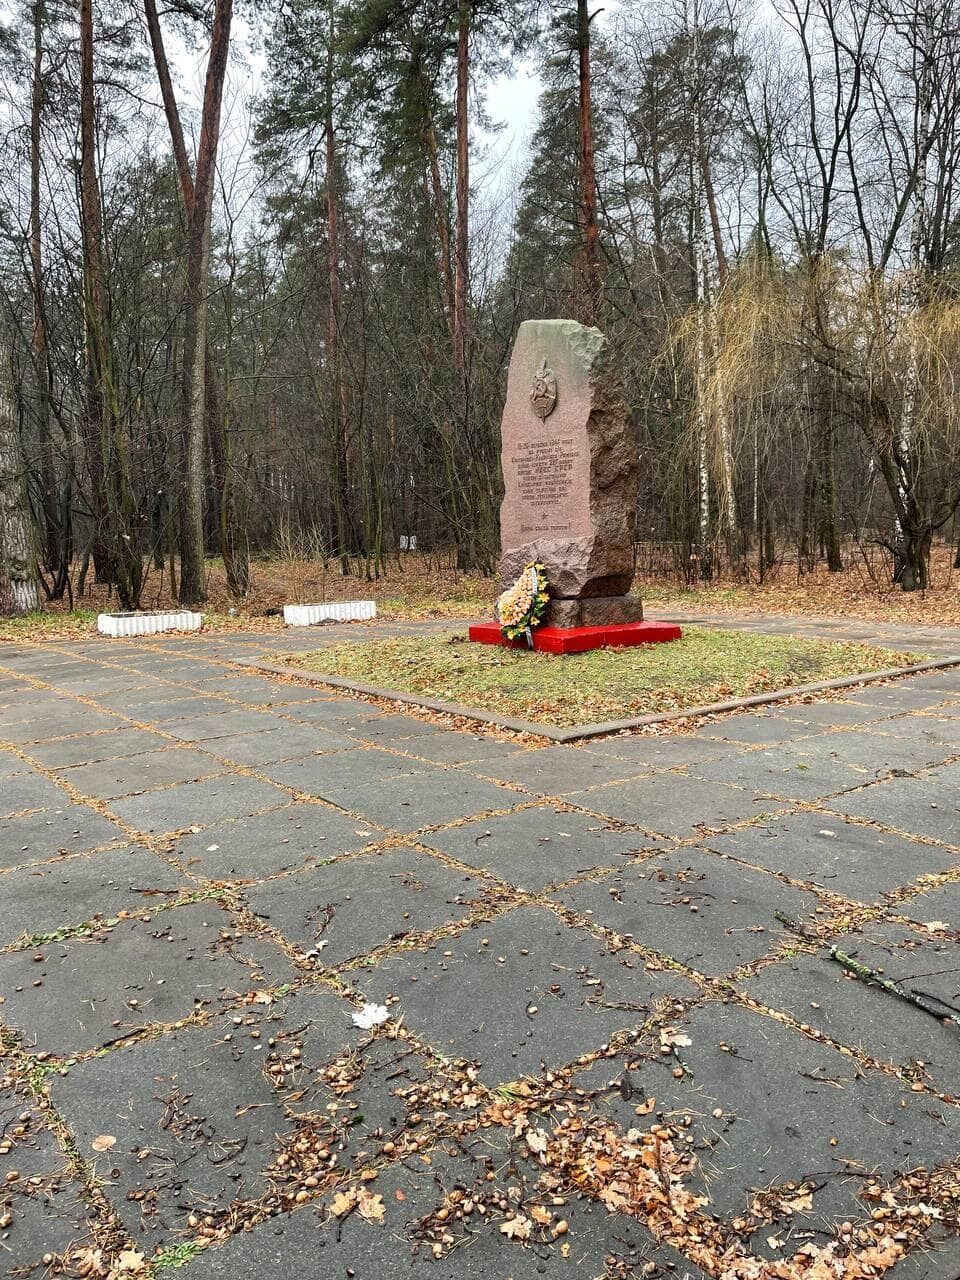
(617, 1043)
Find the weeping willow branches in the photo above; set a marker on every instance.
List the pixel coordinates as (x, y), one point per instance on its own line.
(785, 356)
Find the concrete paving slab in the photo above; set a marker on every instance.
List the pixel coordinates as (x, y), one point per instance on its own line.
(792, 1112)
(252, 848)
(41, 1207)
(820, 992)
(25, 790)
(212, 726)
(57, 719)
(920, 806)
(348, 909)
(63, 893)
(865, 708)
(839, 856)
(453, 747)
(876, 754)
(88, 992)
(671, 805)
(535, 994)
(707, 912)
(756, 727)
(413, 802)
(195, 1123)
(555, 771)
(90, 747)
(197, 803)
(270, 746)
(784, 773)
(390, 728)
(941, 904)
(536, 847)
(146, 771)
(39, 836)
(664, 751)
(321, 775)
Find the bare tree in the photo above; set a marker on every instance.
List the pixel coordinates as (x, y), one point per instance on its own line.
(18, 566)
(193, 402)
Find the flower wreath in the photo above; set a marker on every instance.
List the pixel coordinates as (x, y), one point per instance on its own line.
(521, 607)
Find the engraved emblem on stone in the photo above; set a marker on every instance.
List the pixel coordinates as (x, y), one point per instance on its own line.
(543, 392)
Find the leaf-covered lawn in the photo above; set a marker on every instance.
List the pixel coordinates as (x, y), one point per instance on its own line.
(55, 624)
(859, 591)
(705, 666)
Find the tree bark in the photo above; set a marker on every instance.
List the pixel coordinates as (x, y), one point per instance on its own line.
(338, 399)
(461, 259)
(55, 551)
(193, 400)
(18, 565)
(231, 523)
(909, 571)
(115, 541)
(591, 283)
(93, 291)
(831, 500)
(443, 227)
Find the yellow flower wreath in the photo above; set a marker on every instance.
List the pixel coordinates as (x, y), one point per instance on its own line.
(521, 607)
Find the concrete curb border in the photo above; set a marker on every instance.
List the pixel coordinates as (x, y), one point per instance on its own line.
(577, 732)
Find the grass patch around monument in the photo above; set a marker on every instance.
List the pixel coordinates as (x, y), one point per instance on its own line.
(607, 684)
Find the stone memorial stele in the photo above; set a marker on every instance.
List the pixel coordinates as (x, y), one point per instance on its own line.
(570, 483)
(569, 473)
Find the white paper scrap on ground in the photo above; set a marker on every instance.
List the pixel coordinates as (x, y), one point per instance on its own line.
(371, 1015)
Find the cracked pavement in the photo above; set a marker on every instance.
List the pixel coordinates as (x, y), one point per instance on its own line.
(617, 1045)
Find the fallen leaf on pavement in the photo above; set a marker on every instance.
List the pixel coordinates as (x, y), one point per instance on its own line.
(343, 1202)
(518, 1227)
(537, 1141)
(128, 1260)
(370, 1206)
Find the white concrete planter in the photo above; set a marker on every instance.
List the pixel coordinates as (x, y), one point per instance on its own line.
(308, 615)
(147, 624)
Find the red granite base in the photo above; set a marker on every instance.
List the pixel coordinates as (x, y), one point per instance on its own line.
(580, 639)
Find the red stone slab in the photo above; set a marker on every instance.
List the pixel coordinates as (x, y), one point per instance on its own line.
(580, 639)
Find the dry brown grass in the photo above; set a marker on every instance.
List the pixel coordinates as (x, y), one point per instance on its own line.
(420, 586)
(862, 590)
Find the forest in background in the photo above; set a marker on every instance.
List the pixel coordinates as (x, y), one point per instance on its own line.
(283, 328)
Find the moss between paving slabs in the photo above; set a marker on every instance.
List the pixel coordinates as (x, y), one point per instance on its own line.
(607, 684)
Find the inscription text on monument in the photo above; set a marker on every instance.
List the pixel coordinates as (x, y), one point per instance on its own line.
(544, 475)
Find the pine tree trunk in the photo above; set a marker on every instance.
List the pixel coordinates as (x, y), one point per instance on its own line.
(193, 379)
(339, 408)
(231, 522)
(461, 283)
(115, 540)
(53, 530)
(18, 566)
(591, 284)
(443, 225)
(96, 446)
(461, 260)
(468, 542)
